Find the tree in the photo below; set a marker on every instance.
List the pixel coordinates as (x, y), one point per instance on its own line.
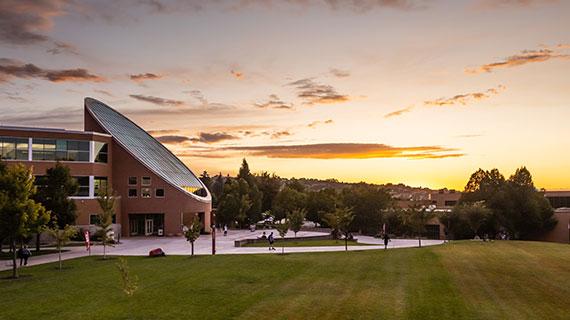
(106, 202)
(475, 215)
(62, 237)
(296, 219)
(252, 191)
(269, 186)
(368, 203)
(320, 203)
(18, 211)
(287, 200)
(217, 189)
(282, 228)
(192, 231)
(54, 190)
(340, 221)
(129, 284)
(415, 219)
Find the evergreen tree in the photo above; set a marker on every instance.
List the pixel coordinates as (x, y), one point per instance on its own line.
(269, 186)
(54, 190)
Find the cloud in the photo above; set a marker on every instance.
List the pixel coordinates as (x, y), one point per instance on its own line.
(157, 100)
(163, 131)
(68, 117)
(22, 22)
(525, 57)
(104, 92)
(499, 4)
(214, 137)
(346, 151)
(15, 69)
(398, 112)
(358, 6)
(468, 136)
(280, 134)
(464, 99)
(62, 47)
(313, 93)
(274, 103)
(315, 124)
(339, 73)
(144, 76)
(171, 139)
(238, 75)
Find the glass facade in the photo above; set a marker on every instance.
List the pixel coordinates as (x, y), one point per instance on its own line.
(66, 150)
(101, 152)
(145, 148)
(101, 184)
(12, 148)
(83, 190)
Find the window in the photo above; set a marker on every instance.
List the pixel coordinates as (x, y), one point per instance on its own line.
(101, 185)
(132, 181)
(450, 203)
(145, 181)
(159, 193)
(145, 192)
(83, 190)
(132, 193)
(101, 152)
(94, 219)
(67, 150)
(13, 148)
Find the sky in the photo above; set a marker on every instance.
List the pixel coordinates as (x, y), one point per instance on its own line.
(416, 92)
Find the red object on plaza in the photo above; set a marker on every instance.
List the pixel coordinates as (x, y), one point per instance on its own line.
(158, 252)
(87, 240)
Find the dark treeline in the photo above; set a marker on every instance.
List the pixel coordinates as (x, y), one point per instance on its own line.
(489, 205)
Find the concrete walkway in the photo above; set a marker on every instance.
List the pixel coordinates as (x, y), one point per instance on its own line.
(203, 246)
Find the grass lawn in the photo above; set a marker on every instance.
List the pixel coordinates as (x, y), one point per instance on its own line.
(5, 255)
(464, 280)
(306, 243)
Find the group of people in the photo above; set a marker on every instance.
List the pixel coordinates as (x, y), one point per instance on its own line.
(270, 239)
(23, 254)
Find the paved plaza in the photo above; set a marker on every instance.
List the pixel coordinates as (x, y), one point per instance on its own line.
(224, 245)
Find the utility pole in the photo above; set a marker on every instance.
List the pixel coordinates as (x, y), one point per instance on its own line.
(213, 223)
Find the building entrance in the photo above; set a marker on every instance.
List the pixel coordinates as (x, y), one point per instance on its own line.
(145, 224)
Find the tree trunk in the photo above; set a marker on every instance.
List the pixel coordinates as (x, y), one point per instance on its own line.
(283, 248)
(192, 245)
(420, 241)
(14, 265)
(59, 252)
(104, 251)
(346, 242)
(38, 242)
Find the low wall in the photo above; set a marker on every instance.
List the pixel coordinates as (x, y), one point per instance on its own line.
(242, 242)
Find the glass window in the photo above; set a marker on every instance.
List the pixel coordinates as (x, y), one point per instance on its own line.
(83, 190)
(94, 219)
(101, 152)
(132, 193)
(66, 150)
(13, 148)
(145, 192)
(100, 185)
(132, 181)
(159, 193)
(145, 181)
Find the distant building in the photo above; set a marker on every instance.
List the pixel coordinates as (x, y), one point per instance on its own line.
(156, 193)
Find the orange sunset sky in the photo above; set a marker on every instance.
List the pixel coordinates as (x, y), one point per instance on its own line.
(418, 92)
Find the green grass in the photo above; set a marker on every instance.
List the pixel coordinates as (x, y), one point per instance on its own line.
(306, 243)
(5, 255)
(464, 280)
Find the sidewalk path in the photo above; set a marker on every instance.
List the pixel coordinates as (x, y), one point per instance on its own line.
(203, 246)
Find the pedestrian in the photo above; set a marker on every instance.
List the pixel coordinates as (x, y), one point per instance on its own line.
(386, 239)
(225, 230)
(24, 253)
(271, 240)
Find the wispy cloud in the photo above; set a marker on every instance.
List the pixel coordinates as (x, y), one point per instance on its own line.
(144, 76)
(274, 103)
(237, 74)
(339, 73)
(315, 124)
(213, 137)
(163, 132)
(62, 47)
(10, 68)
(104, 92)
(346, 151)
(157, 100)
(280, 134)
(498, 4)
(172, 139)
(313, 93)
(67, 117)
(464, 99)
(525, 57)
(398, 112)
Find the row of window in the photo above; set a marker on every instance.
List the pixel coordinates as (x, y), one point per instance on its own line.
(145, 181)
(51, 149)
(146, 193)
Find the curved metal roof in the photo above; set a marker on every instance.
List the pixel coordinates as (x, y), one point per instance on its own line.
(146, 149)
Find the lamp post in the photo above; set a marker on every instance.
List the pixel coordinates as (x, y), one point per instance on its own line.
(213, 222)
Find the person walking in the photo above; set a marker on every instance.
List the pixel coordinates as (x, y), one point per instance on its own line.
(271, 240)
(386, 240)
(24, 253)
(225, 230)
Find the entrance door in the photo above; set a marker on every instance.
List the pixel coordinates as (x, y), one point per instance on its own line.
(148, 227)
